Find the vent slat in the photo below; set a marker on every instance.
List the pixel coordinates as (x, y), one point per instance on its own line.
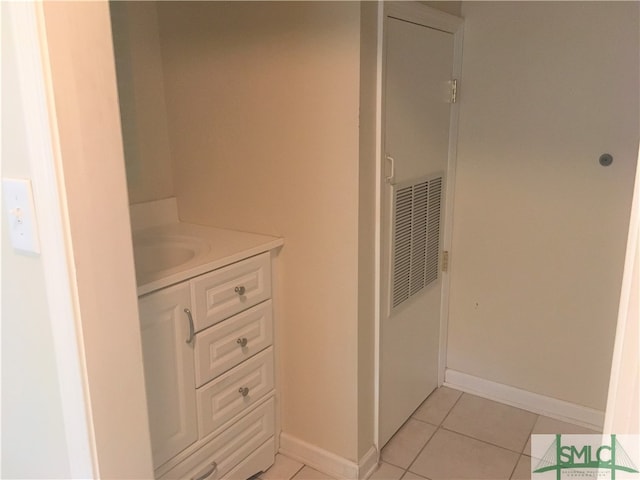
(416, 238)
(433, 237)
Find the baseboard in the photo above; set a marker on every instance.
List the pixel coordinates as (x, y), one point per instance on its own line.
(368, 464)
(328, 462)
(533, 402)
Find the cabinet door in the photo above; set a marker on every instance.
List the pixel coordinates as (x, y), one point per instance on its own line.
(169, 371)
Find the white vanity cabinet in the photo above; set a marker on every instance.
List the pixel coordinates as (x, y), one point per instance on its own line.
(209, 373)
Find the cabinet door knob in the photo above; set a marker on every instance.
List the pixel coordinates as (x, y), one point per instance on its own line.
(242, 342)
(208, 473)
(244, 391)
(240, 290)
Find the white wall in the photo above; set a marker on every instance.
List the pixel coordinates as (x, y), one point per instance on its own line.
(33, 432)
(263, 103)
(539, 226)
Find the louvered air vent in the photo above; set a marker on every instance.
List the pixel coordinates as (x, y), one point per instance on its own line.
(416, 238)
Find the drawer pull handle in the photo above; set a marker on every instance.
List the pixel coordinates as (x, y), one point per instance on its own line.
(208, 473)
(242, 342)
(244, 391)
(240, 290)
(191, 329)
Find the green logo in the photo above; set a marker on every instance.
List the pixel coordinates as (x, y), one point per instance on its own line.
(577, 456)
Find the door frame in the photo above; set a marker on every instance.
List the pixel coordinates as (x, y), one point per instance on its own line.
(429, 17)
(624, 380)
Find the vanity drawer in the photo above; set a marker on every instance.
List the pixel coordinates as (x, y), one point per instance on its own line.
(234, 391)
(225, 345)
(259, 461)
(230, 448)
(229, 290)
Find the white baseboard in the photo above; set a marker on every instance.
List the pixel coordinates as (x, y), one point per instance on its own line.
(327, 462)
(533, 402)
(368, 464)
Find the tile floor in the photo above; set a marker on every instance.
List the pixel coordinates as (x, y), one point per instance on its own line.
(451, 436)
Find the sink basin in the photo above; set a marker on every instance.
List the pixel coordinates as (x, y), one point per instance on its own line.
(154, 254)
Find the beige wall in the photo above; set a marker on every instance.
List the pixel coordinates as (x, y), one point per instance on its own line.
(142, 100)
(93, 178)
(452, 7)
(539, 226)
(262, 102)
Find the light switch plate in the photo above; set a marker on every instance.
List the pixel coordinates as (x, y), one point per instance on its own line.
(18, 201)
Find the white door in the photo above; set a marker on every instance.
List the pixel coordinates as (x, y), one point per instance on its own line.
(168, 355)
(417, 95)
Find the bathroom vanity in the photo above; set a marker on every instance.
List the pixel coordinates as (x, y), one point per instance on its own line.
(206, 319)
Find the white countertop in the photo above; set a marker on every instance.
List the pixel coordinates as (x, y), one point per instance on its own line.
(222, 247)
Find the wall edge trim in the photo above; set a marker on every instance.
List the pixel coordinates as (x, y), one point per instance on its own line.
(533, 402)
(328, 462)
(368, 463)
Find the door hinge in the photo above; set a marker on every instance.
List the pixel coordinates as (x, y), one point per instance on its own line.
(445, 261)
(454, 91)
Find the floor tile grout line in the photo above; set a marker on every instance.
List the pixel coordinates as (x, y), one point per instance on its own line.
(411, 417)
(524, 446)
(531, 432)
(294, 473)
(407, 421)
(452, 407)
(407, 471)
(393, 464)
(421, 450)
(495, 445)
(423, 421)
(436, 431)
(463, 435)
(514, 467)
(481, 440)
(297, 471)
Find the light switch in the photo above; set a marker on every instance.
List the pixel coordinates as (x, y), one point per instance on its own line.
(23, 228)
